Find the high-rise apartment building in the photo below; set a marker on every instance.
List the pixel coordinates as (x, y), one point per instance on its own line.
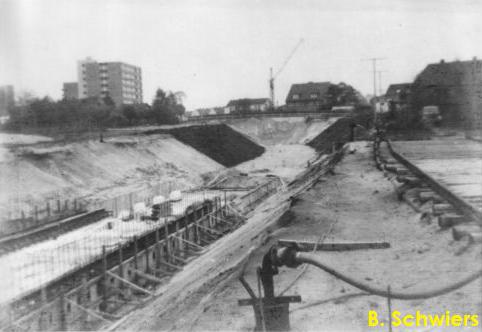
(7, 99)
(120, 81)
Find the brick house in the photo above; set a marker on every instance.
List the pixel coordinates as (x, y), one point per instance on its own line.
(455, 87)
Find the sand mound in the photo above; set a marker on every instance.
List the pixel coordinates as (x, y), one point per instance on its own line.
(98, 170)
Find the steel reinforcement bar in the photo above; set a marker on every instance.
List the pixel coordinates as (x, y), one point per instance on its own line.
(66, 302)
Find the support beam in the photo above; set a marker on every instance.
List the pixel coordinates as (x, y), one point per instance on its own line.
(170, 265)
(148, 276)
(161, 271)
(207, 229)
(190, 243)
(89, 311)
(179, 259)
(130, 284)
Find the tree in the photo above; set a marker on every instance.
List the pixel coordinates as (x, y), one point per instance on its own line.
(130, 113)
(167, 107)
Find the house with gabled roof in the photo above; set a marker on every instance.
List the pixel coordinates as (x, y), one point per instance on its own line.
(398, 93)
(454, 87)
(309, 94)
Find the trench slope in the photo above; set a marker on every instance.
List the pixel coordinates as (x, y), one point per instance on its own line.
(220, 143)
(95, 170)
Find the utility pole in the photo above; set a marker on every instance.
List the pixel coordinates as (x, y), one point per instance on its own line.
(374, 65)
(380, 86)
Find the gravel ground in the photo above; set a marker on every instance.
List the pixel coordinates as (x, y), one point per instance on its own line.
(361, 205)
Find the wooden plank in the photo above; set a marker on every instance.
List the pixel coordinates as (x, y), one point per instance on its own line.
(333, 246)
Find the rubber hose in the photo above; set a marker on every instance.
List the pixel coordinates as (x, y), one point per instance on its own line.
(309, 258)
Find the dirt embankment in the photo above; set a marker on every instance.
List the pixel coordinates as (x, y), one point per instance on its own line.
(219, 142)
(97, 170)
(281, 131)
(339, 132)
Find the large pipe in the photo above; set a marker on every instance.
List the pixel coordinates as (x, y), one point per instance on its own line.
(313, 259)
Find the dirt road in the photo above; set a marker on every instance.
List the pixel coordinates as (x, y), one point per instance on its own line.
(361, 205)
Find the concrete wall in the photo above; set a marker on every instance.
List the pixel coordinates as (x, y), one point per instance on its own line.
(82, 306)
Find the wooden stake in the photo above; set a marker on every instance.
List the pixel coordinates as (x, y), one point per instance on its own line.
(158, 248)
(121, 260)
(104, 276)
(136, 250)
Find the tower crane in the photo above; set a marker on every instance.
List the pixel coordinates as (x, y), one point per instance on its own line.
(273, 77)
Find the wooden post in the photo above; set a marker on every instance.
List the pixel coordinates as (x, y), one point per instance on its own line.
(47, 207)
(104, 279)
(177, 222)
(136, 250)
(36, 213)
(62, 304)
(83, 299)
(121, 260)
(146, 252)
(196, 232)
(66, 206)
(166, 239)
(58, 205)
(43, 314)
(158, 248)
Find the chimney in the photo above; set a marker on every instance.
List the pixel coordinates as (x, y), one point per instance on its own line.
(442, 61)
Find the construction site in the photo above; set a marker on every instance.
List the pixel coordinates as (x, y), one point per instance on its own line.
(314, 208)
(227, 232)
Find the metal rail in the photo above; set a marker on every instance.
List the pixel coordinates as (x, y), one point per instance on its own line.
(461, 204)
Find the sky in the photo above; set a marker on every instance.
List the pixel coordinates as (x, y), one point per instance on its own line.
(217, 50)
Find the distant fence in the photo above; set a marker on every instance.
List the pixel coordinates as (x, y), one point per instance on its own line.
(314, 115)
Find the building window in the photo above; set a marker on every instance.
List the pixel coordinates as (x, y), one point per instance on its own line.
(314, 96)
(296, 96)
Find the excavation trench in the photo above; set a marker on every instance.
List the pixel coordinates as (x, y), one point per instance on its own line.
(127, 148)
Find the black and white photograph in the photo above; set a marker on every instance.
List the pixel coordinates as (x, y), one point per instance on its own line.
(241, 165)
